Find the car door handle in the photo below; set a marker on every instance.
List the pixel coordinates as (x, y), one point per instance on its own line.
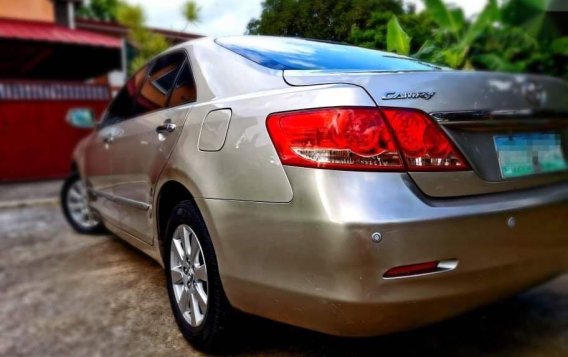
(167, 127)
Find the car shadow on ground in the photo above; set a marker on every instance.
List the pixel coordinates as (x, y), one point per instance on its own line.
(527, 324)
(507, 328)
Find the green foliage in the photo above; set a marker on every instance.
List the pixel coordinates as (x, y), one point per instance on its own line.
(451, 20)
(560, 46)
(488, 16)
(131, 16)
(373, 32)
(454, 37)
(190, 11)
(147, 43)
(397, 40)
(501, 39)
(531, 15)
(331, 20)
(516, 36)
(512, 49)
(103, 10)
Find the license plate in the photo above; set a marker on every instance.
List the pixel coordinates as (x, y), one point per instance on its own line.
(529, 154)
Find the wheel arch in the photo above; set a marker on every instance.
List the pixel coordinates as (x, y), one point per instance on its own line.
(170, 194)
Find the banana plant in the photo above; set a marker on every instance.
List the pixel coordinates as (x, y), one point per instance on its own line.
(454, 38)
(491, 41)
(459, 36)
(397, 40)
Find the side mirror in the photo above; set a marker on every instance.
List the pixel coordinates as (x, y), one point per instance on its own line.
(82, 118)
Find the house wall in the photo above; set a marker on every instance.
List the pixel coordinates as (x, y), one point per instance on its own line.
(36, 10)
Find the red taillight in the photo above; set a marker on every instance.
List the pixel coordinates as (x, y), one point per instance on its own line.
(422, 142)
(335, 138)
(361, 139)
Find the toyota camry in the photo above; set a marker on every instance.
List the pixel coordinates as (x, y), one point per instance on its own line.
(341, 189)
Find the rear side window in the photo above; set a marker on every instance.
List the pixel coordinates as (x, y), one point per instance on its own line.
(159, 83)
(184, 90)
(297, 54)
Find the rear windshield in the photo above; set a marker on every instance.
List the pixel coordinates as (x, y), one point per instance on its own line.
(298, 54)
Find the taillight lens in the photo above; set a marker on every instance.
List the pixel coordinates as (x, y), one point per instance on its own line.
(422, 142)
(362, 139)
(335, 138)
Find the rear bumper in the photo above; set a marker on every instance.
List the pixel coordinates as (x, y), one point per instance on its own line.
(311, 262)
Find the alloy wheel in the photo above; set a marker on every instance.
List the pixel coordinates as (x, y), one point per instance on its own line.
(189, 275)
(78, 206)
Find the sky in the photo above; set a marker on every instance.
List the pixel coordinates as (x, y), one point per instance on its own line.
(230, 17)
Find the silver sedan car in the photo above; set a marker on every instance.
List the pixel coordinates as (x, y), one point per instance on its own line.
(340, 189)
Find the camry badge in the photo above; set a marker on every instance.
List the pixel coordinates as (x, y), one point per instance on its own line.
(408, 95)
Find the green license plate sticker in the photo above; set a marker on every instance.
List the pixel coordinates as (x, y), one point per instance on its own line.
(529, 154)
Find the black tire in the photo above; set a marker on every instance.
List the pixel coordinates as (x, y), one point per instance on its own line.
(77, 226)
(212, 334)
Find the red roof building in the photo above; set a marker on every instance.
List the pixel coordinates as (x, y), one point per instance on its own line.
(50, 32)
(117, 30)
(45, 50)
(51, 62)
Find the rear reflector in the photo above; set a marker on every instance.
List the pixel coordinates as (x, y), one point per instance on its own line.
(363, 139)
(421, 268)
(414, 269)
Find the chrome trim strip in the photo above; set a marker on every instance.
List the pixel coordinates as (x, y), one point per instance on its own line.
(122, 200)
(446, 265)
(475, 115)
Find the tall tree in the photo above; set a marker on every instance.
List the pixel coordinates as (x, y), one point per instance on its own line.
(104, 10)
(147, 43)
(190, 12)
(373, 33)
(330, 20)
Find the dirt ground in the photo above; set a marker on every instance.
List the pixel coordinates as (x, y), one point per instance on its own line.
(64, 294)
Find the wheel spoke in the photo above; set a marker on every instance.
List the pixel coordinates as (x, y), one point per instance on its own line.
(201, 273)
(194, 250)
(178, 250)
(195, 313)
(74, 192)
(186, 237)
(75, 205)
(201, 297)
(177, 275)
(184, 300)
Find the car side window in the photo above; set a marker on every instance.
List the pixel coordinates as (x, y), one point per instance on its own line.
(121, 107)
(159, 83)
(184, 90)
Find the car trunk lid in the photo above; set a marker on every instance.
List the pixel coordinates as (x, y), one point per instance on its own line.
(512, 128)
